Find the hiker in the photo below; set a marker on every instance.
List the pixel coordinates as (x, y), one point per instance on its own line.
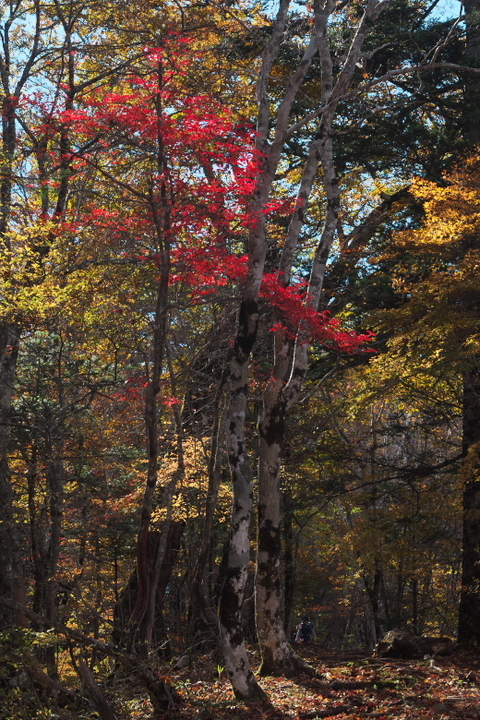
(305, 631)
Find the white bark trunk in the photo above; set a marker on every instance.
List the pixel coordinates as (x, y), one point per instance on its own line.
(291, 360)
(231, 602)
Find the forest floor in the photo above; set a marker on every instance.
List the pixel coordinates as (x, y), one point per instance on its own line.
(348, 686)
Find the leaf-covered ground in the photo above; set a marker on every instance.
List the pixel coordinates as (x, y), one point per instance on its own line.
(348, 686)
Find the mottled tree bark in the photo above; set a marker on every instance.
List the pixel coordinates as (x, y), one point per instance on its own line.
(232, 642)
(291, 357)
(277, 653)
(232, 596)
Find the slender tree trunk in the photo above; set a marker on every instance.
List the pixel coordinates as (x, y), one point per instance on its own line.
(151, 425)
(199, 599)
(9, 342)
(98, 698)
(414, 592)
(472, 57)
(37, 538)
(161, 213)
(372, 616)
(168, 562)
(167, 502)
(128, 596)
(55, 478)
(11, 579)
(367, 630)
(469, 610)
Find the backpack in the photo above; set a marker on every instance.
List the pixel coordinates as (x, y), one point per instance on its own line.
(306, 631)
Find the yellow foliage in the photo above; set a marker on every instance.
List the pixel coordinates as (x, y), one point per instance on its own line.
(192, 485)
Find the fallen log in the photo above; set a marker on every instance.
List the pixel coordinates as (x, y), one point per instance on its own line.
(402, 644)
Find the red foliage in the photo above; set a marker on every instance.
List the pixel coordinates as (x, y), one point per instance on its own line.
(301, 319)
(203, 186)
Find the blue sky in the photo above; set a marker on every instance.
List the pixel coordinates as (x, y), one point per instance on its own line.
(447, 9)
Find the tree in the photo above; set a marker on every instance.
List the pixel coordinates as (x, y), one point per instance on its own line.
(54, 257)
(280, 119)
(10, 570)
(444, 309)
(186, 194)
(47, 37)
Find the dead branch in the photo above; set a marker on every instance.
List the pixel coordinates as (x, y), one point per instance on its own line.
(162, 696)
(96, 695)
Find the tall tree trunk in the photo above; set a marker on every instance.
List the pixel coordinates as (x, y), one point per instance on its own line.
(167, 501)
(199, 599)
(232, 596)
(11, 580)
(144, 594)
(283, 389)
(472, 58)
(37, 537)
(127, 599)
(291, 358)
(160, 207)
(469, 610)
(55, 472)
(232, 642)
(156, 567)
(231, 602)
(372, 616)
(9, 342)
(278, 656)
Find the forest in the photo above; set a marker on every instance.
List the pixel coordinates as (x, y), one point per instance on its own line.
(240, 358)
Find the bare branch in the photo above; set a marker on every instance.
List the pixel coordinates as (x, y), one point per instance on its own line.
(365, 87)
